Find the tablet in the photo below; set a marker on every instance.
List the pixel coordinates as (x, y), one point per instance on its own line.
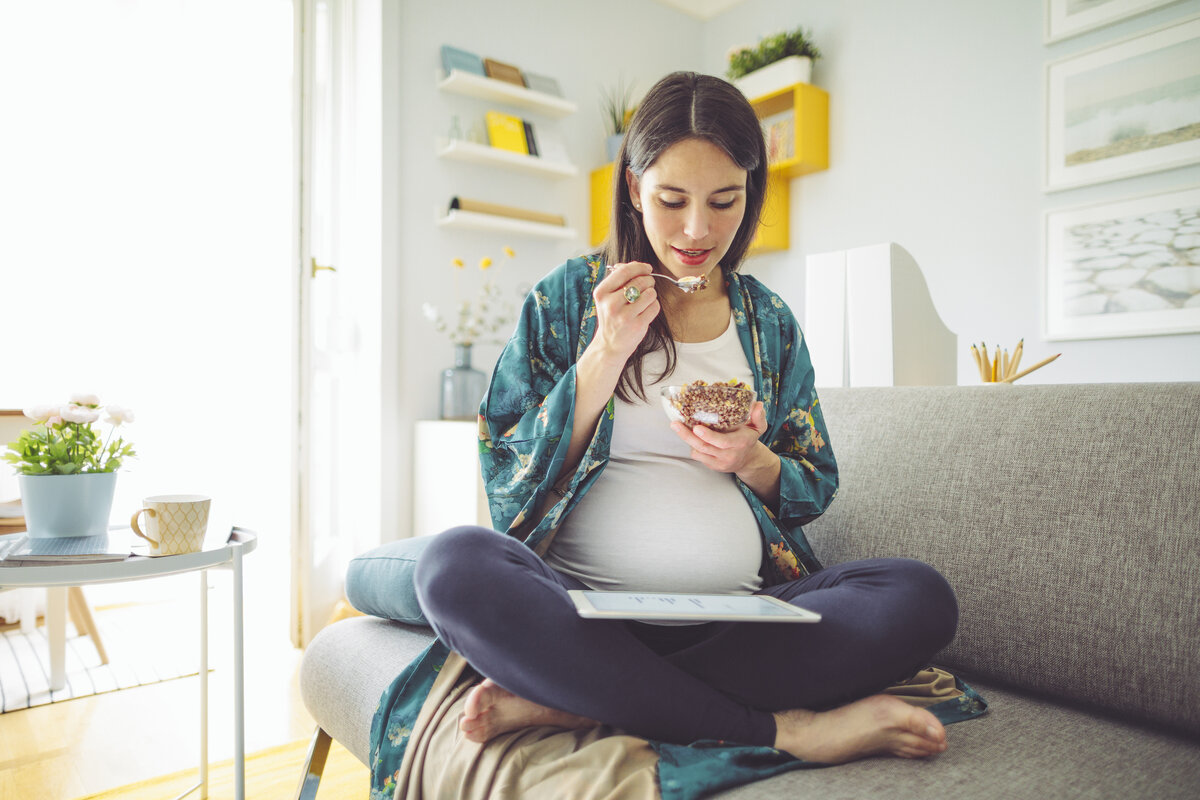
(689, 607)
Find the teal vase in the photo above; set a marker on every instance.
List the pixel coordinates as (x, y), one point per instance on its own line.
(67, 505)
(462, 387)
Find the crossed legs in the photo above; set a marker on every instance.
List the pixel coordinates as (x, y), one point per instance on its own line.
(795, 687)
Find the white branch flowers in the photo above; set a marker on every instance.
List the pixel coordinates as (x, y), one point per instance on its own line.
(63, 441)
(486, 318)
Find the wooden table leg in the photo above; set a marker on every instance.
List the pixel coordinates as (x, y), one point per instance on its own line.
(81, 615)
(56, 631)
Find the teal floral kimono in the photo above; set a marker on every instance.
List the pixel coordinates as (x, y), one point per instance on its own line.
(524, 429)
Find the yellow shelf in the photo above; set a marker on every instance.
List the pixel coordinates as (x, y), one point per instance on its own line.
(809, 145)
(808, 150)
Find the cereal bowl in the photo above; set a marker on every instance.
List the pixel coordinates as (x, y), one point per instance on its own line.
(720, 406)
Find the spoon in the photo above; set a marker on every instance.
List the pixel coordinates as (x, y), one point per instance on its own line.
(688, 284)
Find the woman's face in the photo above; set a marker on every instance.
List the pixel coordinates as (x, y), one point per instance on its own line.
(692, 201)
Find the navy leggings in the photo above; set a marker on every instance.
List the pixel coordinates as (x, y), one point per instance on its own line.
(490, 599)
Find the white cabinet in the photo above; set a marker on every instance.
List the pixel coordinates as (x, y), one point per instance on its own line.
(447, 486)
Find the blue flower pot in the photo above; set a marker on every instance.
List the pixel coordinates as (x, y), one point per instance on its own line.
(67, 505)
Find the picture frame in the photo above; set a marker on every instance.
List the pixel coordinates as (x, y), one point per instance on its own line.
(1124, 109)
(1124, 268)
(1067, 18)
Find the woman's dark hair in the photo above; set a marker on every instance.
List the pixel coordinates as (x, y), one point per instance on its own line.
(683, 105)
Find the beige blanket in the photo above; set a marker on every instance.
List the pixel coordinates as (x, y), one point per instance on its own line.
(549, 763)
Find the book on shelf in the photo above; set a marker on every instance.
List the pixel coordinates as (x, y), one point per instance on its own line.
(495, 209)
(20, 550)
(455, 59)
(506, 132)
(503, 72)
(530, 142)
(780, 132)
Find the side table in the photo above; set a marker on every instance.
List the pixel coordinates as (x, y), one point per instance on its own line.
(58, 577)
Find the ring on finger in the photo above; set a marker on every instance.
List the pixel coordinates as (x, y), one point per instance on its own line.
(632, 293)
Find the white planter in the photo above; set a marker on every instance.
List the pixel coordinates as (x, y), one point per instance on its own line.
(775, 76)
(67, 505)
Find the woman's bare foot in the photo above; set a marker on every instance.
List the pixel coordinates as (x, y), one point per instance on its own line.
(491, 710)
(876, 725)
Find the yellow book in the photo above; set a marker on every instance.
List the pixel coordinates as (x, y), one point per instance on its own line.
(506, 132)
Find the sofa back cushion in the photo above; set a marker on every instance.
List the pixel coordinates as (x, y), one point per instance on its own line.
(1067, 518)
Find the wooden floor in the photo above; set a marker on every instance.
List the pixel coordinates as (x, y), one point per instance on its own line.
(70, 749)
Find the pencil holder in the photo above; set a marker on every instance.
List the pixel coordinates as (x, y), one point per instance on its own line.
(1000, 367)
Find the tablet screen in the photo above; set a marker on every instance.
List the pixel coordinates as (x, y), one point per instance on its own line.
(698, 607)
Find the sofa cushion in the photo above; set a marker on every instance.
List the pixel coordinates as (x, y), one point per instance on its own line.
(1065, 517)
(1022, 749)
(380, 581)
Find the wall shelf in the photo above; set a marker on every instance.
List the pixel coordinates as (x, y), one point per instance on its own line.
(473, 153)
(478, 86)
(473, 220)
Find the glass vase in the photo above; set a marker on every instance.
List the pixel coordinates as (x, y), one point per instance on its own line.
(462, 387)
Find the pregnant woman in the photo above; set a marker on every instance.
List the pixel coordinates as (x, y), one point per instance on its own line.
(593, 488)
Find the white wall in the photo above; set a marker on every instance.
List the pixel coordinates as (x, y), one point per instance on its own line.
(936, 143)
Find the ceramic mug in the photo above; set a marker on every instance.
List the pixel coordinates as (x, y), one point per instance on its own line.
(175, 523)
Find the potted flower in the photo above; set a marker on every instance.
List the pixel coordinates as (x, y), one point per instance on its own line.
(777, 61)
(617, 108)
(67, 469)
(484, 319)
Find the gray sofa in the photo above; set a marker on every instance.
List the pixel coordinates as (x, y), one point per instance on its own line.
(1068, 520)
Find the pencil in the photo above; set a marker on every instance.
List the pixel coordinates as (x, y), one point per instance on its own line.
(996, 365)
(1004, 366)
(978, 362)
(1016, 359)
(1025, 372)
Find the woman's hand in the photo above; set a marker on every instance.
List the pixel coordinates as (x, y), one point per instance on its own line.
(620, 324)
(739, 451)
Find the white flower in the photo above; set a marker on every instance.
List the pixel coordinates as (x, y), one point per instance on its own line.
(118, 415)
(430, 312)
(78, 414)
(79, 399)
(41, 413)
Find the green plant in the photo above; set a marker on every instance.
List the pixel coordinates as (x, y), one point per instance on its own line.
(744, 60)
(63, 441)
(617, 107)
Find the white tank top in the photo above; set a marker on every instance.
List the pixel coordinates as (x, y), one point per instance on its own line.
(656, 520)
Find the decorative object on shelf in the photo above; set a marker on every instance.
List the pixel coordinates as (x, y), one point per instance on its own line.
(1000, 367)
(1125, 268)
(484, 319)
(543, 84)
(66, 470)
(617, 106)
(500, 71)
(777, 61)
(1065, 18)
(1101, 129)
(497, 210)
(454, 58)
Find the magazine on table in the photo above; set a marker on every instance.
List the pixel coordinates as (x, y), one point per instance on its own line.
(18, 549)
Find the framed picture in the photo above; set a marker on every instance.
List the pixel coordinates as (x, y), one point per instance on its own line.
(1124, 109)
(1065, 18)
(1129, 268)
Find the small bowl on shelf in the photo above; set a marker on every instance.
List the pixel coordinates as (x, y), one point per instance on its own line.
(720, 406)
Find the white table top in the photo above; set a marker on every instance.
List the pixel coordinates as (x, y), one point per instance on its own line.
(132, 568)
